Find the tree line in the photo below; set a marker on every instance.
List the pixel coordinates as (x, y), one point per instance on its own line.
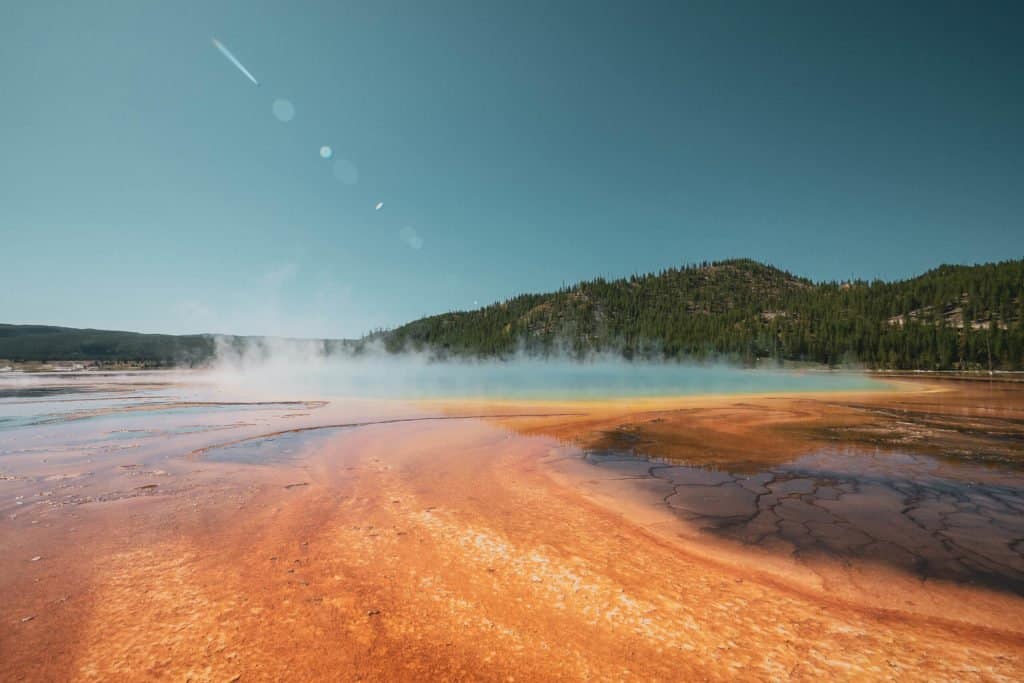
(952, 317)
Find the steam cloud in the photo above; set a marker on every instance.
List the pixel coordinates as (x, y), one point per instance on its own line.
(299, 369)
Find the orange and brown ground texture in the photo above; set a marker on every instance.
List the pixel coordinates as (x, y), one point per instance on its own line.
(489, 549)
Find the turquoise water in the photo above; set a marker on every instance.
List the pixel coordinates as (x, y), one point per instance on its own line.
(549, 380)
(417, 379)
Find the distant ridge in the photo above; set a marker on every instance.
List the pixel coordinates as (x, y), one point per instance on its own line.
(51, 343)
(42, 343)
(952, 317)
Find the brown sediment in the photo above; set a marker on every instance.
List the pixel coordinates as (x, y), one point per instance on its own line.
(975, 421)
(482, 549)
(928, 482)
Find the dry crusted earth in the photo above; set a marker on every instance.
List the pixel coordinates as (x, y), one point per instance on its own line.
(435, 551)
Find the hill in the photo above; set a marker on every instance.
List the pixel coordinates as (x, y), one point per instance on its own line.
(950, 317)
(42, 343)
(45, 342)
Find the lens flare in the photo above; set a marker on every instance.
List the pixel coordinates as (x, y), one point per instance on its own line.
(284, 110)
(231, 58)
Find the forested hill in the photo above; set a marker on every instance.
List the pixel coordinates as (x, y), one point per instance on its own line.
(49, 343)
(952, 317)
(41, 343)
(948, 318)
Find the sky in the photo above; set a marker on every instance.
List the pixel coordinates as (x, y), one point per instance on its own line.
(147, 184)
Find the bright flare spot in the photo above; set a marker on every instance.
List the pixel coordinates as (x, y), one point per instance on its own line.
(283, 110)
(411, 238)
(326, 152)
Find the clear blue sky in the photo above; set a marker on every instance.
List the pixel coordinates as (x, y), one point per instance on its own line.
(146, 183)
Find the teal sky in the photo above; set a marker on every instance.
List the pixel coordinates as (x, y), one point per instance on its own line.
(146, 184)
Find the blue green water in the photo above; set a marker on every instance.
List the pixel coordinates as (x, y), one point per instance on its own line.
(557, 380)
(411, 378)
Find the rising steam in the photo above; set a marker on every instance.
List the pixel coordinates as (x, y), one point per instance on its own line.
(316, 369)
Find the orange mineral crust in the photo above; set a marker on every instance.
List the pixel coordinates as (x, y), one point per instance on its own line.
(502, 541)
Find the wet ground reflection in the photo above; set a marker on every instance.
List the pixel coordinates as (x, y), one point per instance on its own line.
(269, 450)
(68, 441)
(101, 439)
(917, 512)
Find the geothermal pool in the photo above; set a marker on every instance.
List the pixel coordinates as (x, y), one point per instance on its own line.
(834, 482)
(931, 516)
(526, 379)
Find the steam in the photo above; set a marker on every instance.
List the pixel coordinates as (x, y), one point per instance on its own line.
(279, 369)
